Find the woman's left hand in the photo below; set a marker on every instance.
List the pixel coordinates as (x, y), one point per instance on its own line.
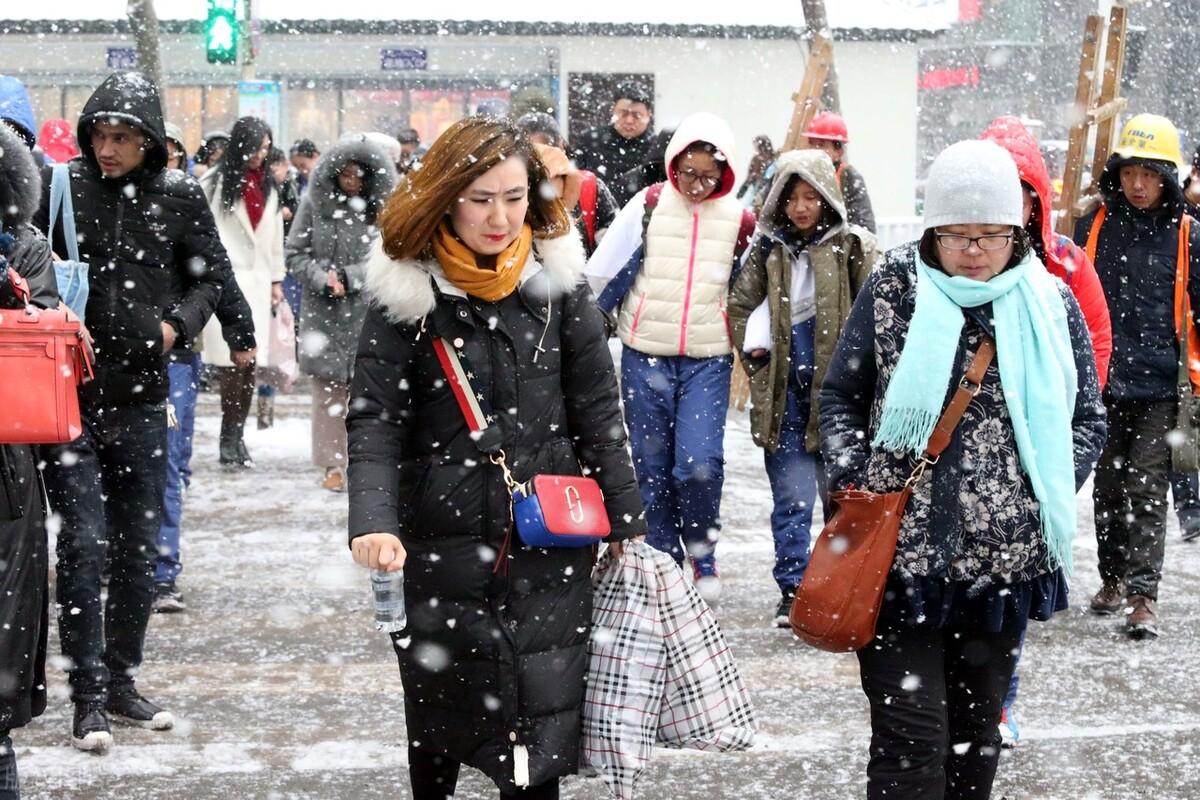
(276, 293)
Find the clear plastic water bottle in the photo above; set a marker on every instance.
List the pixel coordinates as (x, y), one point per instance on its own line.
(387, 599)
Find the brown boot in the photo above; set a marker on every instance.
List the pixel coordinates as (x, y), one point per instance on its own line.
(335, 479)
(1110, 599)
(1140, 621)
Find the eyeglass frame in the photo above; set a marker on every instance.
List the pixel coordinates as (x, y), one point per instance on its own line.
(974, 240)
(692, 176)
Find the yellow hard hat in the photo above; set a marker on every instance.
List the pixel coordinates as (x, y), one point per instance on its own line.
(1150, 136)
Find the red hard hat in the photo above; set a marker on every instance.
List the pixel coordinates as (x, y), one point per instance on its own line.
(828, 125)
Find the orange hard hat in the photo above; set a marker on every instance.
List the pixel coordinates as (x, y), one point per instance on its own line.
(828, 125)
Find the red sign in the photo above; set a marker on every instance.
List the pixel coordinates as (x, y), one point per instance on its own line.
(949, 78)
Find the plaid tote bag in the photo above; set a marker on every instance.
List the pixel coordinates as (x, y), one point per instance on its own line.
(659, 670)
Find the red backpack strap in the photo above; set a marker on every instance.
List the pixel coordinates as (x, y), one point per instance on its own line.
(653, 194)
(745, 232)
(587, 205)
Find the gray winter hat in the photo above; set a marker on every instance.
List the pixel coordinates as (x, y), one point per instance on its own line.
(976, 182)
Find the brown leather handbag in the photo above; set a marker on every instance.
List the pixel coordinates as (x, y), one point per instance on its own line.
(837, 604)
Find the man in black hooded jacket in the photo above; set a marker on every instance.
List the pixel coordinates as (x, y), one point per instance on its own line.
(1134, 240)
(156, 273)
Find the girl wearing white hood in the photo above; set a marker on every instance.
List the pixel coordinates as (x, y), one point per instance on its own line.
(665, 266)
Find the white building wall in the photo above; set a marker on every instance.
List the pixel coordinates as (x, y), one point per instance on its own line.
(750, 83)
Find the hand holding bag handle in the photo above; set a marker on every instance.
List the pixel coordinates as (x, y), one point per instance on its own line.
(837, 604)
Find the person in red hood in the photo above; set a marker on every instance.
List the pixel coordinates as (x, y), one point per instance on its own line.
(1062, 257)
(1067, 261)
(57, 141)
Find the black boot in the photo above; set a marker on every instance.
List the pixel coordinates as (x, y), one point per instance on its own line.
(244, 459)
(231, 436)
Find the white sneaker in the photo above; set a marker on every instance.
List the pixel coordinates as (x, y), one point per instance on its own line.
(709, 587)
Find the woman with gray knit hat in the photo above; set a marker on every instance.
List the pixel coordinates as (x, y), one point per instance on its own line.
(985, 541)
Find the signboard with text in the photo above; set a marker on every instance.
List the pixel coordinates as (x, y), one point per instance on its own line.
(403, 58)
(122, 58)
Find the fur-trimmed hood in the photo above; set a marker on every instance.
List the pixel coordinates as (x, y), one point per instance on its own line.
(404, 290)
(378, 181)
(20, 183)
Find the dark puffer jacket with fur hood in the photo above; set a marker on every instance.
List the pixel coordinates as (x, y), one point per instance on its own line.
(494, 654)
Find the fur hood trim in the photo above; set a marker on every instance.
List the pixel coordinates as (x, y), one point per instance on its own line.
(20, 183)
(404, 289)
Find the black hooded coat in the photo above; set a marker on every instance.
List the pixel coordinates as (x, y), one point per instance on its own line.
(1136, 259)
(23, 549)
(151, 244)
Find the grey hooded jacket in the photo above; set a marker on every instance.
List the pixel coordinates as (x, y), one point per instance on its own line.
(332, 231)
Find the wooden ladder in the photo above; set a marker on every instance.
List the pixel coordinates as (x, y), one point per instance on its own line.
(1097, 110)
(808, 97)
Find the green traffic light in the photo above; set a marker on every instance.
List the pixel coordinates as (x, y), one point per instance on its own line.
(221, 32)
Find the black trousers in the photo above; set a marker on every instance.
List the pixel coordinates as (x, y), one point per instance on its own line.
(107, 487)
(1130, 492)
(434, 778)
(935, 700)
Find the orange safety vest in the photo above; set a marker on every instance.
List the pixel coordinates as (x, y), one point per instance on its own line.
(1183, 300)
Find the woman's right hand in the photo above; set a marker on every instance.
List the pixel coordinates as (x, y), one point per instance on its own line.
(379, 551)
(760, 352)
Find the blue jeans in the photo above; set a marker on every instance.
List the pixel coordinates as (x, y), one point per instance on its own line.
(107, 488)
(675, 408)
(792, 470)
(10, 788)
(185, 382)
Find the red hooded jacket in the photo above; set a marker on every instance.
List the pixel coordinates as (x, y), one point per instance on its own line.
(1064, 258)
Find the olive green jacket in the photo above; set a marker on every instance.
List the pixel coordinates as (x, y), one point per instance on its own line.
(840, 260)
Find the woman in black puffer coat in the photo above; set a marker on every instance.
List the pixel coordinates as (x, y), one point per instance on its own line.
(23, 556)
(494, 655)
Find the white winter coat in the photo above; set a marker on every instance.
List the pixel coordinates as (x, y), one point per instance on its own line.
(257, 258)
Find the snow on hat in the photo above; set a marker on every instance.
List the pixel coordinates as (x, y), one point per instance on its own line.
(973, 182)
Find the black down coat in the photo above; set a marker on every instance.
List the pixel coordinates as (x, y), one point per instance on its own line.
(151, 244)
(494, 655)
(23, 550)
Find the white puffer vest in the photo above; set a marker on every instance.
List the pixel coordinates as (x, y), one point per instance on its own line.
(676, 306)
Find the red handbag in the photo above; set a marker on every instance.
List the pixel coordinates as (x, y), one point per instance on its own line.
(42, 363)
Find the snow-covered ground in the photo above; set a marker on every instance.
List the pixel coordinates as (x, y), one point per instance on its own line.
(284, 691)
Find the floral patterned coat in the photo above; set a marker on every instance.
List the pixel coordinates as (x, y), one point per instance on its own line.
(973, 517)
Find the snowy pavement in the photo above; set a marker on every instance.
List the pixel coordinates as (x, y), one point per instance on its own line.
(283, 690)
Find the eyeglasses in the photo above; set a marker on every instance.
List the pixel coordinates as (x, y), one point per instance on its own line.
(690, 175)
(990, 242)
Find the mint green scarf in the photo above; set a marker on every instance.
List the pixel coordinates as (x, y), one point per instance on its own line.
(1037, 371)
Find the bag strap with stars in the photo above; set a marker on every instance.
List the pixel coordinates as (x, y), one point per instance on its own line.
(476, 410)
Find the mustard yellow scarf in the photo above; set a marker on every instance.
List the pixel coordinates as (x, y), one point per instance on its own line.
(458, 262)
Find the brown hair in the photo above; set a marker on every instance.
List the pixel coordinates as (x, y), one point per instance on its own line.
(468, 149)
